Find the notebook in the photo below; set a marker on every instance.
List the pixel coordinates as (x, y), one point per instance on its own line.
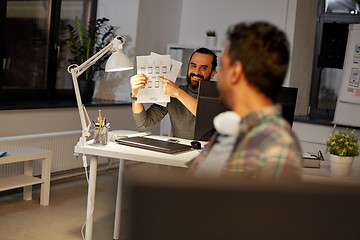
(154, 144)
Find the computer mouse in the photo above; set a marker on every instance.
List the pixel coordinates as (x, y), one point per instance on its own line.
(196, 145)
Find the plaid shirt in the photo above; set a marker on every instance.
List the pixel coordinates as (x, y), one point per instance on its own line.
(266, 149)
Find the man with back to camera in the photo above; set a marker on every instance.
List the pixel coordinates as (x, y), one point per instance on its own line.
(183, 102)
(253, 141)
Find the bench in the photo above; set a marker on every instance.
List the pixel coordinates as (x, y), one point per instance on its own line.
(26, 180)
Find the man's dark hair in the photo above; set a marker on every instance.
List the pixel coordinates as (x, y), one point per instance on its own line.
(263, 51)
(207, 51)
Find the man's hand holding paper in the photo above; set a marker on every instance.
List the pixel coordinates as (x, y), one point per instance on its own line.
(156, 74)
(137, 81)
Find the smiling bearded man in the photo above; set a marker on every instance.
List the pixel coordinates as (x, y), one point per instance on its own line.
(183, 102)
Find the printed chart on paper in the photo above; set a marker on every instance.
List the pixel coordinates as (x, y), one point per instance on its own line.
(153, 66)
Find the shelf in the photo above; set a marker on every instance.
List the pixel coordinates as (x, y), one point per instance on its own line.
(26, 154)
(18, 181)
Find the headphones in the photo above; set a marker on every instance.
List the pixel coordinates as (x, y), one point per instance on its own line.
(196, 145)
(227, 123)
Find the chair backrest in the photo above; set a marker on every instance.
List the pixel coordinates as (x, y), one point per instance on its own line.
(218, 210)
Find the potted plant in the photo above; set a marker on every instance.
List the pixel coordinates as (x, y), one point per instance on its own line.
(343, 147)
(211, 33)
(83, 43)
(211, 38)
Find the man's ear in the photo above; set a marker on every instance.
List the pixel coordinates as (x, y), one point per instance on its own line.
(213, 72)
(236, 71)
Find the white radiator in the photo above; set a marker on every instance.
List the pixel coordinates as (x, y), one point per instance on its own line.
(60, 143)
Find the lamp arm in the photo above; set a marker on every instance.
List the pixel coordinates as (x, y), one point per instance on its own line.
(117, 42)
(85, 125)
(92, 60)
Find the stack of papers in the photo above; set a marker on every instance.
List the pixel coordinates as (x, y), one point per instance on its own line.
(310, 160)
(153, 66)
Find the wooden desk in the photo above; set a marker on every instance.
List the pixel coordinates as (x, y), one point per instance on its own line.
(114, 150)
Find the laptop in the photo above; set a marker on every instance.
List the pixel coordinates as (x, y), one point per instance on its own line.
(154, 144)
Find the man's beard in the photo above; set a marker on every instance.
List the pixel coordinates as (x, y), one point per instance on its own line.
(195, 87)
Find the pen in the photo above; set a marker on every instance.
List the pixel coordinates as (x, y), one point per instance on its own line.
(100, 118)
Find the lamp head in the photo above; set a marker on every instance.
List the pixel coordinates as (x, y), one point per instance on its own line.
(118, 61)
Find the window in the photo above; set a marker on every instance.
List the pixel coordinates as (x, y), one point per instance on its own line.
(334, 17)
(33, 51)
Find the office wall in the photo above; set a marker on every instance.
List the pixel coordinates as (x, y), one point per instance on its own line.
(123, 15)
(185, 22)
(37, 121)
(158, 25)
(198, 16)
(302, 52)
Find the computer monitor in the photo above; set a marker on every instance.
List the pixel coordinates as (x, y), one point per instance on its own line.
(209, 105)
(235, 210)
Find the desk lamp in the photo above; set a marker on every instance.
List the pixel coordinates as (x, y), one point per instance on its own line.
(118, 61)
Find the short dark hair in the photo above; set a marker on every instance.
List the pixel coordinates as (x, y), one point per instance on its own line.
(263, 51)
(206, 51)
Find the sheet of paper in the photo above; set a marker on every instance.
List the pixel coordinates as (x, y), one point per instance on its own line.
(160, 103)
(153, 66)
(175, 67)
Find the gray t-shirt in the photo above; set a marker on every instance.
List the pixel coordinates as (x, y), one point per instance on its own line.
(182, 120)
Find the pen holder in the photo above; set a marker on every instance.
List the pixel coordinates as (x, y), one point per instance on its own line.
(101, 135)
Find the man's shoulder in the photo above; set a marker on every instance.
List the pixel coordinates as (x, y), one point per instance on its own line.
(271, 141)
(272, 133)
